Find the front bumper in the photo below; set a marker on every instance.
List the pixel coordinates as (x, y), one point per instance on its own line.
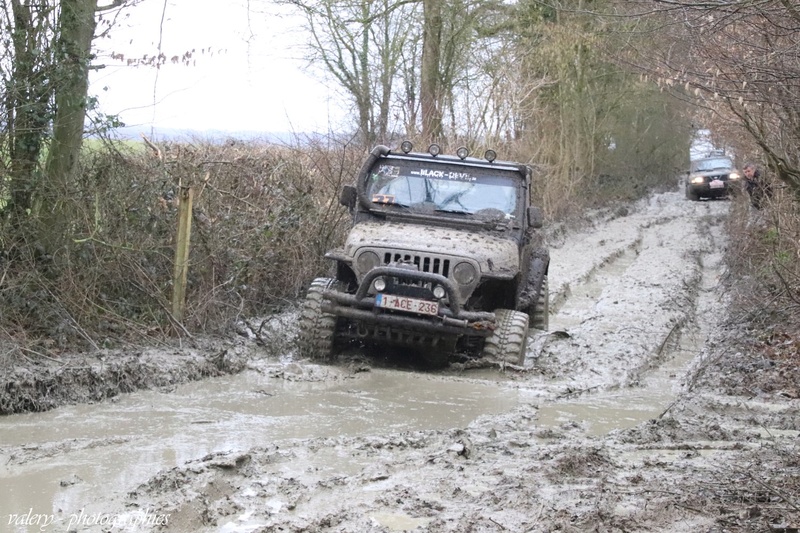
(452, 319)
(704, 188)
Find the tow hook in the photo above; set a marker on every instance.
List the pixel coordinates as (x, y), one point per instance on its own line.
(484, 324)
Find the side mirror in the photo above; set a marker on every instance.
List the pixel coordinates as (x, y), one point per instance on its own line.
(348, 196)
(535, 217)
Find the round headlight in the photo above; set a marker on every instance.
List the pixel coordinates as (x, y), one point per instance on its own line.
(462, 152)
(366, 261)
(464, 273)
(434, 150)
(697, 179)
(439, 292)
(406, 146)
(734, 175)
(379, 284)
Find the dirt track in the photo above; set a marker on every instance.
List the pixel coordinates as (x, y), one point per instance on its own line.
(621, 421)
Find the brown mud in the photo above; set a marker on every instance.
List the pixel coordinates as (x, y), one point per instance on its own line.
(38, 382)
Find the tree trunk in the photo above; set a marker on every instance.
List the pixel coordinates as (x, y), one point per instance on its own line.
(431, 58)
(27, 108)
(73, 55)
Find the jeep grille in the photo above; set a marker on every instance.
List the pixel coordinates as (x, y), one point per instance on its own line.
(425, 263)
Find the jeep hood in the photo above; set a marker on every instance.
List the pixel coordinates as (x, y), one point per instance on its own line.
(496, 256)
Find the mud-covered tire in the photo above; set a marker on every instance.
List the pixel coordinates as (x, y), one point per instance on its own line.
(509, 340)
(317, 328)
(693, 196)
(540, 318)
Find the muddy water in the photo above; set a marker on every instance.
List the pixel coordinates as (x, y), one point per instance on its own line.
(56, 464)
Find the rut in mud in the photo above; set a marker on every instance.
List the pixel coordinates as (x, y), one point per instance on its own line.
(607, 424)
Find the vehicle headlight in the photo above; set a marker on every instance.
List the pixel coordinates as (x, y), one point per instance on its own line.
(439, 292)
(734, 176)
(379, 284)
(698, 179)
(366, 261)
(464, 273)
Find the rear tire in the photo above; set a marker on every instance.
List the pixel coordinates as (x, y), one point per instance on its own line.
(317, 328)
(540, 318)
(509, 340)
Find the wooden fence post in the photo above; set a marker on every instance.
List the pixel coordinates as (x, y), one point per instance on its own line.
(185, 197)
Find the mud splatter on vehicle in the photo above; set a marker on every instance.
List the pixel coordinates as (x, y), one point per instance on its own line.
(443, 256)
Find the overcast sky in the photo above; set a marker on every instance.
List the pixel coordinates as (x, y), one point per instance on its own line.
(246, 72)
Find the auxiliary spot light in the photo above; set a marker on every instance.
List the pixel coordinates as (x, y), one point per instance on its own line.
(434, 149)
(406, 146)
(462, 153)
(490, 155)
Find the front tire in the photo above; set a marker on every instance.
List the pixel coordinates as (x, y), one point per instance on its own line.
(317, 328)
(508, 342)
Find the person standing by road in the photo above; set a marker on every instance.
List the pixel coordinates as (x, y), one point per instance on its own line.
(756, 186)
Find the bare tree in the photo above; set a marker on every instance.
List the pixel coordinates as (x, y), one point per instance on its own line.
(361, 44)
(584, 119)
(76, 27)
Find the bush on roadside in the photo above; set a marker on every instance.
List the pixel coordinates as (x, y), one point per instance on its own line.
(764, 280)
(764, 260)
(263, 217)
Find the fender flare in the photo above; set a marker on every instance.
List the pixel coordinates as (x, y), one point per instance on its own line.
(540, 264)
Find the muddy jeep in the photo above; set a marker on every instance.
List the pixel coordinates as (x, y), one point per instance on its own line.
(442, 256)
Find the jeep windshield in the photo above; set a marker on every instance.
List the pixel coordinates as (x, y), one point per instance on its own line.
(434, 187)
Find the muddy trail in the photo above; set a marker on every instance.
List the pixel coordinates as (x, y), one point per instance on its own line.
(621, 420)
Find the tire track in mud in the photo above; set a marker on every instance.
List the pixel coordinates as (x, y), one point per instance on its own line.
(644, 387)
(627, 290)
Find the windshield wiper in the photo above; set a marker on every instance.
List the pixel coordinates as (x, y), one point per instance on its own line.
(395, 204)
(454, 211)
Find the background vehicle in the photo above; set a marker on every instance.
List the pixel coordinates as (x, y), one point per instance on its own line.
(712, 176)
(442, 256)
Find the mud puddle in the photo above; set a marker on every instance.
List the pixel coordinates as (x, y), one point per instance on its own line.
(60, 461)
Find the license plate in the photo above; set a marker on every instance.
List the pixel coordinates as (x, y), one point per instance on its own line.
(409, 305)
(716, 184)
